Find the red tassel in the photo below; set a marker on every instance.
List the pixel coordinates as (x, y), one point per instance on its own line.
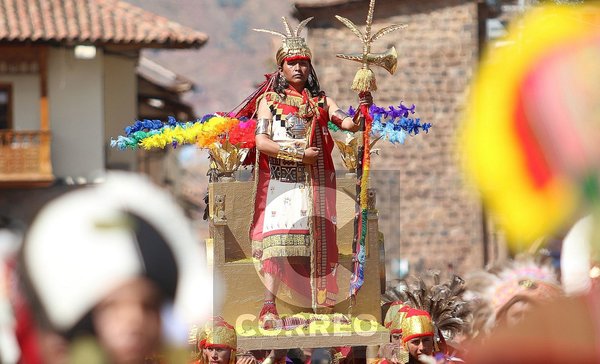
(273, 267)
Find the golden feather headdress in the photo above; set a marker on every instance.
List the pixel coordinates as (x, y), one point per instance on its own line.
(293, 46)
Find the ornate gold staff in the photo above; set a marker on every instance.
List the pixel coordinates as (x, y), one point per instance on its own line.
(364, 82)
(365, 79)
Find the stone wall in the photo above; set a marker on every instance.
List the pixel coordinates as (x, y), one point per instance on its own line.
(427, 215)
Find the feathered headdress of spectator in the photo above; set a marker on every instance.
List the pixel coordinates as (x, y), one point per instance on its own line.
(531, 277)
(449, 312)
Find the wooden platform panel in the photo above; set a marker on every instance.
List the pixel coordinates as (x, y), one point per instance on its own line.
(316, 335)
(230, 252)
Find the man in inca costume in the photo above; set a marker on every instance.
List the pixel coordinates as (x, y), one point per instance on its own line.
(418, 334)
(294, 225)
(216, 342)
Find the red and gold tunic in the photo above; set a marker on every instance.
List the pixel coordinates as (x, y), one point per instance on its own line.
(295, 212)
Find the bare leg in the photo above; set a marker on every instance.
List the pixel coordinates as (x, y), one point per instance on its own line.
(268, 317)
(271, 287)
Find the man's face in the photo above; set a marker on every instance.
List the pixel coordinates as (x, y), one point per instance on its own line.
(217, 355)
(127, 321)
(397, 339)
(420, 346)
(296, 72)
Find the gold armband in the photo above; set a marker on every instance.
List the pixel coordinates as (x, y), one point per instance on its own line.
(263, 126)
(338, 117)
(358, 117)
(289, 153)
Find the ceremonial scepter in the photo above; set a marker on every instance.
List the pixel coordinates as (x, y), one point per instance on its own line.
(364, 82)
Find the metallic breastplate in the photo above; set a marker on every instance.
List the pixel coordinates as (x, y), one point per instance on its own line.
(295, 126)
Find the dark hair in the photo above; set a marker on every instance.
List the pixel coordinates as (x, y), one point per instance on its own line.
(312, 84)
(321, 356)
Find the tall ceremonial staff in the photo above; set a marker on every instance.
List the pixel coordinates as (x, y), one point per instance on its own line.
(364, 82)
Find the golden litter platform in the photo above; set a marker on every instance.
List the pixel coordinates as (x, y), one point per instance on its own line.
(230, 251)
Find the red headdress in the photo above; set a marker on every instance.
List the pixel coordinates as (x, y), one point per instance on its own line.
(416, 323)
(217, 333)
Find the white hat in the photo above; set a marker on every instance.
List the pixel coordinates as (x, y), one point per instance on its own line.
(575, 257)
(82, 245)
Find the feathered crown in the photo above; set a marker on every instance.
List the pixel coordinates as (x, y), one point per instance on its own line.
(449, 312)
(293, 46)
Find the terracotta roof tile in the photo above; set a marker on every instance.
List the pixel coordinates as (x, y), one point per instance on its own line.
(91, 21)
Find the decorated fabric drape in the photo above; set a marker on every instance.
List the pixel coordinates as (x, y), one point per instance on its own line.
(360, 219)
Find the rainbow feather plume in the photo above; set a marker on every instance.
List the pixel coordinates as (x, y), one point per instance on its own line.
(204, 132)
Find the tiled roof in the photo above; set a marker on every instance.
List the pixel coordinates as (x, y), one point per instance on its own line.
(91, 21)
(162, 76)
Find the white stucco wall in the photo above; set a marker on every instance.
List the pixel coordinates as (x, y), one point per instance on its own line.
(26, 100)
(120, 106)
(76, 93)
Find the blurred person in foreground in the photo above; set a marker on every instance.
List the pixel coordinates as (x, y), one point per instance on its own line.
(562, 331)
(106, 265)
(13, 339)
(504, 294)
(536, 102)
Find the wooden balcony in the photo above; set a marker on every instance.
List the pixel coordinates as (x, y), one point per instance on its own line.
(25, 159)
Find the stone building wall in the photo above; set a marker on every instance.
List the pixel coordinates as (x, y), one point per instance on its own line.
(427, 215)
